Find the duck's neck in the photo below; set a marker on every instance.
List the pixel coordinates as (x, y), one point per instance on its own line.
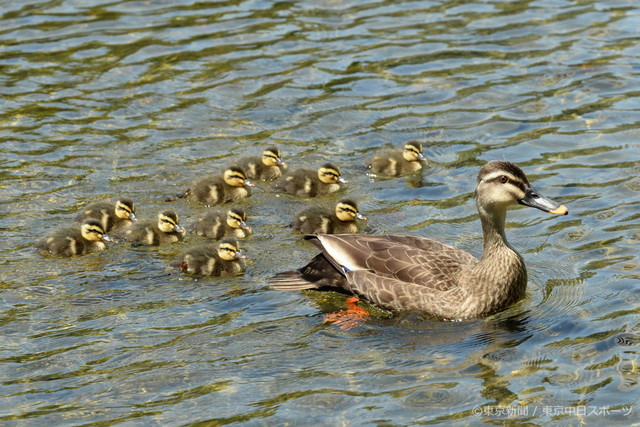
(501, 269)
(495, 240)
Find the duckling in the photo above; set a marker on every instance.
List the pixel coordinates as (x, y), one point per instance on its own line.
(265, 168)
(310, 183)
(112, 215)
(396, 163)
(411, 273)
(216, 225)
(78, 239)
(209, 260)
(165, 230)
(319, 220)
(214, 189)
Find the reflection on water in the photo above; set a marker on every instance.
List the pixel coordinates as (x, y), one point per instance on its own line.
(136, 99)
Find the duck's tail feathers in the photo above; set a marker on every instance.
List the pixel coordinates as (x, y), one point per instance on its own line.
(178, 196)
(291, 281)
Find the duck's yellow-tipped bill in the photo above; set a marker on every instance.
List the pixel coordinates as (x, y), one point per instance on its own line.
(560, 210)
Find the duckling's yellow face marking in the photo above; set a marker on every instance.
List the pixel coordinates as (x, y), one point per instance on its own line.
(93, 232)
(348, 211)
(168, 222)
(125, 209)
(236, 219)
(412, 152)
(271, 157)
(236, 177)
(229, 251)
(330, 175)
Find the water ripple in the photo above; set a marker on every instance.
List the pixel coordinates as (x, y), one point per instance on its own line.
(136, 99)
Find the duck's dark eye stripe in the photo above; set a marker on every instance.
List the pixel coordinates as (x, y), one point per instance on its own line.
(238, 177)
(501, 179)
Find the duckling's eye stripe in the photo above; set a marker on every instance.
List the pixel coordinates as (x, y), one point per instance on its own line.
(168, 221)
(94, 230)
(237, 177)
(331, 174)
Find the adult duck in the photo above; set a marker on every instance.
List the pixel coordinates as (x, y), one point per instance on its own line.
(401, 273)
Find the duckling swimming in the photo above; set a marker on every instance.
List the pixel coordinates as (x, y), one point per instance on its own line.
(216, 225)
(166, 229)
(265, 168)
(78, 239)
(396, 163)
(111, 215)
(310, 183)
(214, 189)
(224, 258)
(407, 273)
(320, 220)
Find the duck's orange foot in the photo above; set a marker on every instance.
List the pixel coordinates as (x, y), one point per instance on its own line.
(349, 318)
(184, 266)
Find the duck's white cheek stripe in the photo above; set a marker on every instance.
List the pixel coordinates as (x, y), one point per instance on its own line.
(496, 174)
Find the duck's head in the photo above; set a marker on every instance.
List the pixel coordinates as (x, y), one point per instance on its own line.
(330, 174)
(236, 218)
(228, 249)
(235, 176)
(501, 184)
(92, 230)
(412, 152)
(347, 210)
(125, 209)
(168, 222)
(271, 157)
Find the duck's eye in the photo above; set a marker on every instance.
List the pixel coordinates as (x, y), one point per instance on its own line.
(504, 179)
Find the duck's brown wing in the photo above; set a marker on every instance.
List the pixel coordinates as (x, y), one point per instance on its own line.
(409, 259)
(394, 272)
